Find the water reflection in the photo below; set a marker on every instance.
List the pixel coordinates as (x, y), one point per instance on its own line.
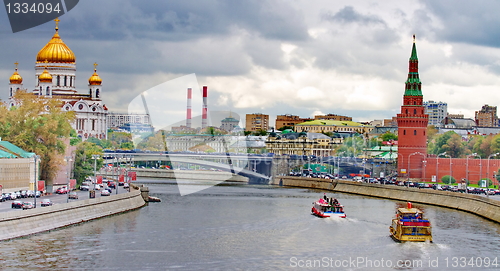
(248, 228)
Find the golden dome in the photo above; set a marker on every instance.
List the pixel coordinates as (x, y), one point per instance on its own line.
(56, 51)
(16, 78)
(45, 77)
(95, 79)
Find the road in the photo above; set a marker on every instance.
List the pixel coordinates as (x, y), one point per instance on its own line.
(6, 206)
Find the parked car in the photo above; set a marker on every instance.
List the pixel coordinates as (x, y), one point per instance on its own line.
(62, 190)
(27, 205)
(46, 202)
(30, 193)
(17, 204)
(73, 195)
(105, 192)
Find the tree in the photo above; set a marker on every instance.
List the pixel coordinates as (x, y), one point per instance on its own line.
(84, 164)
(449, 142)
(260, 132)
(447, 179)
(388, 136)
(38, 124)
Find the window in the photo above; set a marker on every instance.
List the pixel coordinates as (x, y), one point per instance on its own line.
(414, 132)
(58, 80)
(65, 80)
(404, 132)
(47, 91)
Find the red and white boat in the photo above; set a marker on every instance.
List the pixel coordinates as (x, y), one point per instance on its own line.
(328, 208)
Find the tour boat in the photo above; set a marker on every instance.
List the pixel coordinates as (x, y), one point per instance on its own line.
(410, 225)
(324, 208)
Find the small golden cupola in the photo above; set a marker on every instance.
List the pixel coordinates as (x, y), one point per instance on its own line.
(95, 80)
(16, 79)
(56, 51)
(45, 77)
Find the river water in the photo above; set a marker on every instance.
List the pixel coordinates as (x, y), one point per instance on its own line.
(248, 227)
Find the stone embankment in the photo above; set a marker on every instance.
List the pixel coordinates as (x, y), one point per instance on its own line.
(482, 206)
(21, 223)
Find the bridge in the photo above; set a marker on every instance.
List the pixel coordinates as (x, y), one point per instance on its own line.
(257, 169)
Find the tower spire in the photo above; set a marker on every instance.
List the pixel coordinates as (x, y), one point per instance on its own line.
(413, 84)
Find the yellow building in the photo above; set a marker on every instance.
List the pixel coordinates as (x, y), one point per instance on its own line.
(301, 144)
(334, 126)
(17, 168)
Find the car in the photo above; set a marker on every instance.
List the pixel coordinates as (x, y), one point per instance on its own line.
(126, 185)
(111, 184)
(73, 195)
(84, 187)
(27, 205)
(17, 204)
(46, 202)
(62, 190)
(105, 192)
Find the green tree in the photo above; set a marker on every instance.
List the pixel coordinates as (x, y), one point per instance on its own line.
(447, 179)
(388, 136)
(260, 132)
(84, 164)
(246, 133)
(40, 126)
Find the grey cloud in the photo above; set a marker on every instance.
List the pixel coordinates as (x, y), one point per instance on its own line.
(349, 15)
(184, 20)
(466, 21)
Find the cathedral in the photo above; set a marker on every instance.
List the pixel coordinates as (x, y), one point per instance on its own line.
(55, 71)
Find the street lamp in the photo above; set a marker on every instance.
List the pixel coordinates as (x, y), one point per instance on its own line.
(495, 154)
(437, 165)
(68, 161)
(37, 159)
(95, 157)
(467, 165)
(409, 156)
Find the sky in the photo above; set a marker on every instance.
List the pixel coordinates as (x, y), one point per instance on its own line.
(275, 56)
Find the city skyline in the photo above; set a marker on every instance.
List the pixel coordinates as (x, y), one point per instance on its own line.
(276, 57)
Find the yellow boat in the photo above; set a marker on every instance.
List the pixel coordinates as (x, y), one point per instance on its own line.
(410, 226)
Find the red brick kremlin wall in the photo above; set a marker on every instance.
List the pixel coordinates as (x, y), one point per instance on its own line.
(476, 169)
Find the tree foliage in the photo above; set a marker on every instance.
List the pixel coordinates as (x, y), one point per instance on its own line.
(388, 136)
(448, 179)
(38, 125)
(84, 163)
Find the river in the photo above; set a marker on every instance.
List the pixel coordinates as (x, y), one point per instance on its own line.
(248, 227)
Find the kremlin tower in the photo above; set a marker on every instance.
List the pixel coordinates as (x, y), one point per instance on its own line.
(412, 124)
(55, 71)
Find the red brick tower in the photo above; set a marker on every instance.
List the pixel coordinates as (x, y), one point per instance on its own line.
(412, 124)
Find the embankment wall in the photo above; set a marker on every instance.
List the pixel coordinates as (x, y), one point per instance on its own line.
(482, 206)
(21, 223)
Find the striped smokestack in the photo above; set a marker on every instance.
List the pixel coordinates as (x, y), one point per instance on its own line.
(188, 117)
(204, 109)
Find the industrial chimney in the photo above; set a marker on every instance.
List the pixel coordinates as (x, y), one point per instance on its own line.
(188, 117)
(204, 108)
